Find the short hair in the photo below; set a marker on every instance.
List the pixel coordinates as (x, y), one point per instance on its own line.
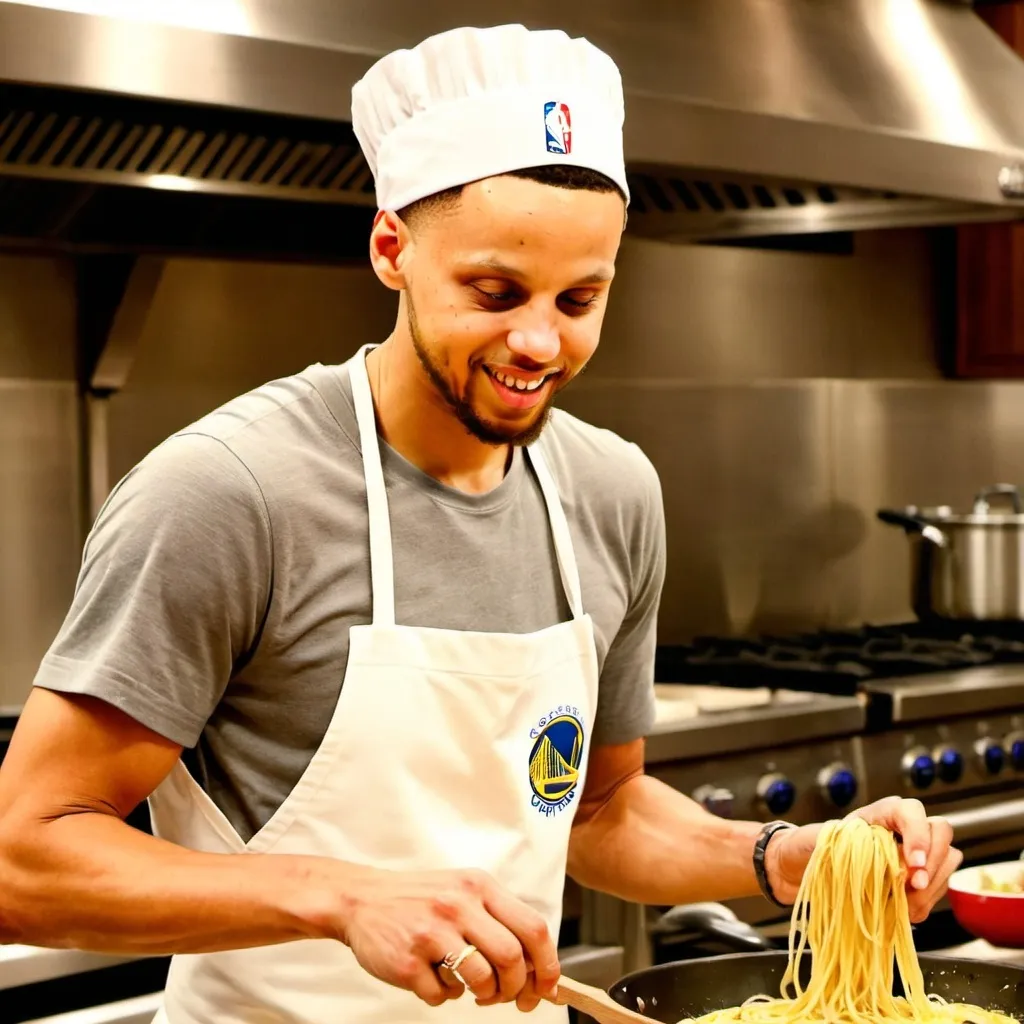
(557, 175)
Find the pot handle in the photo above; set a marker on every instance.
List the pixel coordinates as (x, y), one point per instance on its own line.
(1011, 491)
(714, 921)
(912, 524)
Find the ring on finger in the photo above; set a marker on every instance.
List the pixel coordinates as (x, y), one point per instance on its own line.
(453, 961)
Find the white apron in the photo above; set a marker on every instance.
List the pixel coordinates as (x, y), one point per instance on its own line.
(447, 749)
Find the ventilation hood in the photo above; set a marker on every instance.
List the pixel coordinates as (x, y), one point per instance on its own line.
(221, 125)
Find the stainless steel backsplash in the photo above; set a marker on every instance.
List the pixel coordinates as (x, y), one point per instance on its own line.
(783, 397)
(40, 480)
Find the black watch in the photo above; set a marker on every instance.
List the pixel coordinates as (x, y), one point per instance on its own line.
(763, 838)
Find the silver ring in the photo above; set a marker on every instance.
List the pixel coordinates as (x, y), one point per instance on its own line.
(453, 962)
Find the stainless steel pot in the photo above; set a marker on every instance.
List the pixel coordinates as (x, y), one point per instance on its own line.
(969, 565)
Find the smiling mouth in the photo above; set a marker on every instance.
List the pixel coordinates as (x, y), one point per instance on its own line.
(519, 392)
(519, 383)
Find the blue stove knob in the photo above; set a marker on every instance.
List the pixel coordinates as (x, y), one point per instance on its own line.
(1014, 746)
(991, 756)
(777, 793)
(838, 784)
(949, 763)
(919, 768)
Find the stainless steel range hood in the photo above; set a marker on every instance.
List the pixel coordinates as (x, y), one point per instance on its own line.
(744, 117)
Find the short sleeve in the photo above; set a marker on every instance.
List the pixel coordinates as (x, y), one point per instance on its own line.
(626, 708)
(173, 590)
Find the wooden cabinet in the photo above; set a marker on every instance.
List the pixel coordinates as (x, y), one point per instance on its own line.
(990, 263)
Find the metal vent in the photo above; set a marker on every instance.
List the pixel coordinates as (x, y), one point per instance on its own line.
(180, 149)
(85, 171)
(704, 206)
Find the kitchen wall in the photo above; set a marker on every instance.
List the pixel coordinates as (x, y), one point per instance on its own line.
(218, 328)
(39, 464)
(784, 397)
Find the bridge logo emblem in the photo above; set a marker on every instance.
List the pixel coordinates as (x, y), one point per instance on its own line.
(555, 760)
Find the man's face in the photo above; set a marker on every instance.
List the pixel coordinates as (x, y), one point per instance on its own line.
(505, 296)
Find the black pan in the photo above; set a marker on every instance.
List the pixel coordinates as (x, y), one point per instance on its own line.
(690, 988)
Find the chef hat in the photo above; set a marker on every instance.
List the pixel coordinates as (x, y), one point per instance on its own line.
(471, 103)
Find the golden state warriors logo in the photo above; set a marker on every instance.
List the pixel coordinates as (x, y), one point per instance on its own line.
(555, 759)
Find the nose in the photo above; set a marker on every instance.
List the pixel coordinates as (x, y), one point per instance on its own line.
(536, 339)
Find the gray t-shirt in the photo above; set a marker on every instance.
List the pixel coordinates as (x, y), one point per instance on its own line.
(223, 574)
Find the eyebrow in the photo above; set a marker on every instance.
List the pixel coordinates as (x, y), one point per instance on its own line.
(600, 276)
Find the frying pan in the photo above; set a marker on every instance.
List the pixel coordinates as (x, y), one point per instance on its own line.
(995, 916)
(690, 988)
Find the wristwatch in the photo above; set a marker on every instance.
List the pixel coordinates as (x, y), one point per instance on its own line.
(760, 846)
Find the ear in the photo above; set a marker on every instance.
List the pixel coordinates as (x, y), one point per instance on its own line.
(390, 248)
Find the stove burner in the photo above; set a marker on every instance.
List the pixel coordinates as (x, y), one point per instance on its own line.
(836, 661)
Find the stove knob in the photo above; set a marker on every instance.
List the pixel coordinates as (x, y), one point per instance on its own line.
(838, 784)
(777, 793)
(991, 756)
(919, 768)
(1014, 746)
(949, 763)
(715, 800)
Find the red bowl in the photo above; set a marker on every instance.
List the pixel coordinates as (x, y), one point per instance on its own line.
(997, 917)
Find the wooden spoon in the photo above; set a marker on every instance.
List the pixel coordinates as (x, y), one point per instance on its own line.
(594, 1003)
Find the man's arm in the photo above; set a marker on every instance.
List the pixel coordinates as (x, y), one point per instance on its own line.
(76, 875)
(174, 584)
(638, 839)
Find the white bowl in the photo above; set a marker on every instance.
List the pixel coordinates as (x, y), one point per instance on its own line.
(970, 880)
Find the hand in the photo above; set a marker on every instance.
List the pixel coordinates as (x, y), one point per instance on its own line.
(926, 850)
(401, 926)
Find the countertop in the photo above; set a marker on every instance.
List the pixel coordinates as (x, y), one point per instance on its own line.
(979, 949)
(24, 965)
(706, 721)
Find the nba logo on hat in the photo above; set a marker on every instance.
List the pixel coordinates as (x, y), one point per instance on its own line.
(558, 125)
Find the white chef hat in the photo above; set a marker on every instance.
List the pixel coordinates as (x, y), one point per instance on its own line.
(472, 103)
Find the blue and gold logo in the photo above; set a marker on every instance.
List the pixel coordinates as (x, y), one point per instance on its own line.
(555, 759)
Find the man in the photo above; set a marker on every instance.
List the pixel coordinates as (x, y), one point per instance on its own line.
(404, 614)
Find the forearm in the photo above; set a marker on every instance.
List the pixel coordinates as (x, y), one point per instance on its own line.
(651, 844)
(90, 881)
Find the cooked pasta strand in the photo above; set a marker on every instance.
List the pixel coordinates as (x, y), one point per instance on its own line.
(851, 913)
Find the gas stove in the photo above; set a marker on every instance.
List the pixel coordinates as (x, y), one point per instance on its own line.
(811, 725)
(841, 661)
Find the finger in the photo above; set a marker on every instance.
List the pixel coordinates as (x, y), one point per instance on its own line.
(478, 975)
(435, 950)
(426, 984)
(531, 932)
(421, 972)
(920, 904)
(529, 998)
(503, 954)
(922, 857)
(941, 839)
(910, 820)
(453, 987)
(912, 824)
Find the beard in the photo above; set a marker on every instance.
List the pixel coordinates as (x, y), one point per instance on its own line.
(462, 406)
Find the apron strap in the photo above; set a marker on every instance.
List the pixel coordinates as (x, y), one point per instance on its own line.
(382, 568)
(560, 531)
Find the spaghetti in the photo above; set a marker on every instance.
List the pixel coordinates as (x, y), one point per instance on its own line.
(851, 913)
